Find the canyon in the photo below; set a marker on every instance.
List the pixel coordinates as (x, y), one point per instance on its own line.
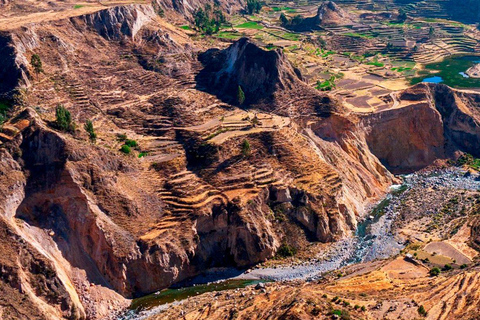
(233, 157)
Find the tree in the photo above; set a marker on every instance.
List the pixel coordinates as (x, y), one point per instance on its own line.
(126, 149)
(421, 311)
(36, 63)
(64, 119)
(91, 131)
(431, 32)
(402, 15)
(253, 6)
(240, 96)
(208, 20)
(246, 148)
(434, 272)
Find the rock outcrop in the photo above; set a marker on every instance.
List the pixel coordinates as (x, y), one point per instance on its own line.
(117, 23)
(191, 196)
(328, 14)
(13, 69)
(258, 72)
(436, 122)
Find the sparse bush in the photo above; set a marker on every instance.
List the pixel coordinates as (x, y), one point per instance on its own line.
(286, 251)
(126, 149)
(463, 266)
(447, 267)
(246, 150)
(131, 143)
(363, 308)
(434, 272)
(122, 137)
(36, 63)
(421, 311)
(64, 119)
(92, 136)
(240, 96)
(336, 312)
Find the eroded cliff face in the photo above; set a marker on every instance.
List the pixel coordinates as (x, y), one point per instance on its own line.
(259, 73)
(435, 122)
(109, 226)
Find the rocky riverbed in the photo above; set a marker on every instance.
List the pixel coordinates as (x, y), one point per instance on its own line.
(377, 237)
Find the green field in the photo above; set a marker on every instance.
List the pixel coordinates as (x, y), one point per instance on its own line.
(249, 25)
(449, 70)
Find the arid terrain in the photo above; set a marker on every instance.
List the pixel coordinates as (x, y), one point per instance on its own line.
(145, 144)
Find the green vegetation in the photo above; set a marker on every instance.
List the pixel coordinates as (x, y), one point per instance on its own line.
(128, 145)
(4, 107)
(379, 210)
(291, 23)
(375, 63)
(64, 119)
(125, 149)
(401, 69)
(421, 311)
(447, 267)
(121, 137)
(37, 65)
(216, 133)
(249, 25)
(434, 272)
(359, 35)
(290, 36)
(400, 190)
(229, 35)
(158, 9)
(286, 250)
(131, 143)
(78, 6)
(253, 6)
(287, 9)
(185, 27)
(92, 136)
(326, 85)
(470, 161)
(449, 70)
(240, 96)
(246, 149)
(463, 266)
(208, 20)
(143, 154)
(340, 314)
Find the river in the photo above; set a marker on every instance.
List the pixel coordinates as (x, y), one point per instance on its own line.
(373, 239)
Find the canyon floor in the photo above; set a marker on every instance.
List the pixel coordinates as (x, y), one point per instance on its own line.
(299, 153)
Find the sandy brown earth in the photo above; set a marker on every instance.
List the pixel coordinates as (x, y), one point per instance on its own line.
(385, 290)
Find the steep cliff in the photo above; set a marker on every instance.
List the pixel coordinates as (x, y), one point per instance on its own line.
(208, 184)
(258, 72)
(435, 122)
